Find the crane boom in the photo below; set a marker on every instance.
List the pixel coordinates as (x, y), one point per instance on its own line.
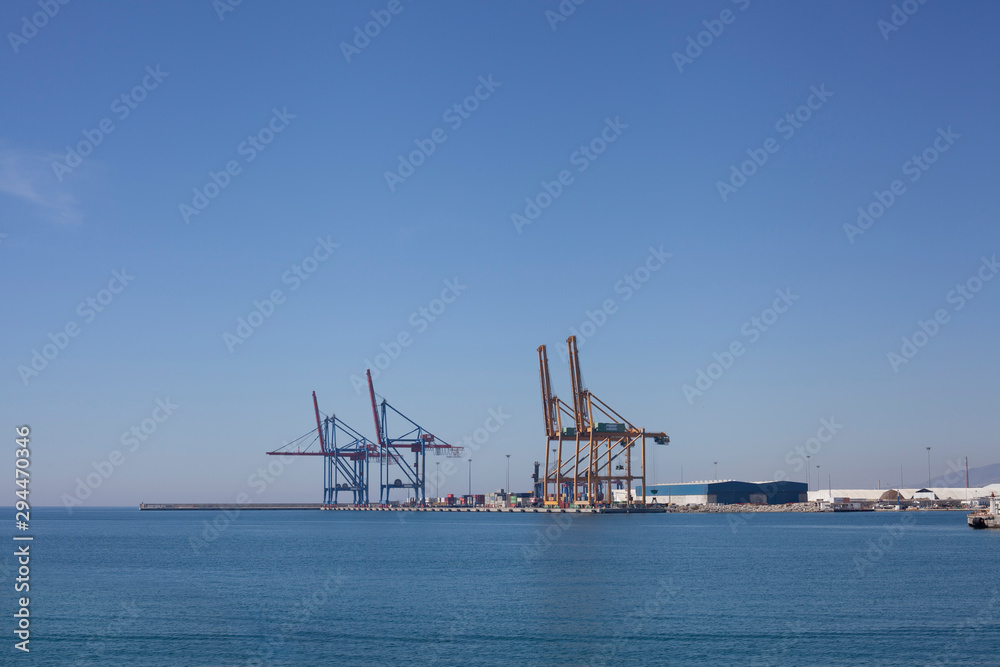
(548, 401)
(371, 392)
(580, 407)
(319, 427)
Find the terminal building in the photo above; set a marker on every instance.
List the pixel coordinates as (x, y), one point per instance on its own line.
(724, 492)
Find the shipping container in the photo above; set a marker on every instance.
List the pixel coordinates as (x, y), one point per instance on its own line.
(610, 428)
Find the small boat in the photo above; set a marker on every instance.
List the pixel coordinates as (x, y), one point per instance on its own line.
(987, 518)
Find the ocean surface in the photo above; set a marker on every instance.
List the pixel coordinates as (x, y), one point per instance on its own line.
(124, 587)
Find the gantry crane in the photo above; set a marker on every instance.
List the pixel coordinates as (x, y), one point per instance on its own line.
(599, 458)
(345, 459)
(416, 440)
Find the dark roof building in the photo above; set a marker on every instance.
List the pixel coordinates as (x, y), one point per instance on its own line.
(727, 492)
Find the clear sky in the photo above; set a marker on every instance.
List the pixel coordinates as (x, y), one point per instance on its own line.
(120, 121)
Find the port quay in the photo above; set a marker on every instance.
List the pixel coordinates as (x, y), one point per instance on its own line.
(404, 508)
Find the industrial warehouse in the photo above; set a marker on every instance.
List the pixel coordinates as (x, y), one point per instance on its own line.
(725, 492)
(964, 494)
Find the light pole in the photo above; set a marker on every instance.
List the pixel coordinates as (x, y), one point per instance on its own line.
(928, 467)
(807, 472)
(717, 471)
(470, 480)
(507, 488)
(819, 481)
(437, 483)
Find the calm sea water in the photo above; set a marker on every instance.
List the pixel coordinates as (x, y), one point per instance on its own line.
(117, 586)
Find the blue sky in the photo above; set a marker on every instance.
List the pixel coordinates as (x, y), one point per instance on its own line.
(343, 125)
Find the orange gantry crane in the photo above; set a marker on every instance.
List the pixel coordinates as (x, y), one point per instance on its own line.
(586, 462)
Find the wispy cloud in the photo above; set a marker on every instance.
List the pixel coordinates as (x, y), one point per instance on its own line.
(27, 175)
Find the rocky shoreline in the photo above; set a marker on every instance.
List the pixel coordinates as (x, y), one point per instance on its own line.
(791, 507)
(729, 509)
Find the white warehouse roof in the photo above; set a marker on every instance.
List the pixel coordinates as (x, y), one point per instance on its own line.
(943, 493)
